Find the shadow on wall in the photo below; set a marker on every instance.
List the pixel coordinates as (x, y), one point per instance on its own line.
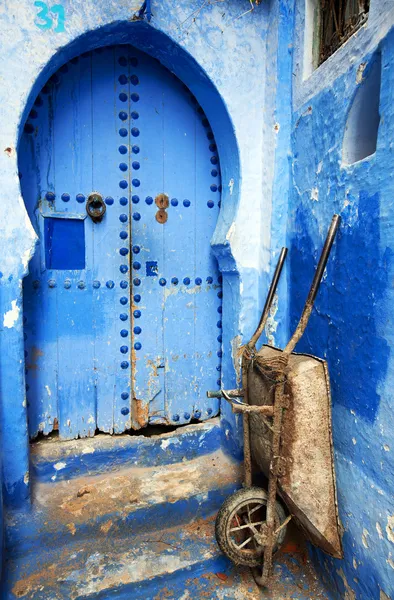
(343, 325)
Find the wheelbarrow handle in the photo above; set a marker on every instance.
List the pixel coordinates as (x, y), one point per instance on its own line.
(237, 405)
(271, 293)
(219, 393)
(306, 313)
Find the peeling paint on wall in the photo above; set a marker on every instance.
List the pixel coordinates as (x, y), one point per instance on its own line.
(390, 529)
(349, 593)
(379, 530)
(59, 466)
(11, 316)
(364, 538)
(272, 325)
(236, 357)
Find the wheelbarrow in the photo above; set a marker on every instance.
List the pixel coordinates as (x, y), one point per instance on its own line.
(286, 408)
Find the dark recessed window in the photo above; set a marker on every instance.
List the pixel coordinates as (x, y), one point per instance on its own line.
(339, 20)
(362, 125)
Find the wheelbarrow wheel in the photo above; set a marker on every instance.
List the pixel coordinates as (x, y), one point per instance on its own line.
(240, 517)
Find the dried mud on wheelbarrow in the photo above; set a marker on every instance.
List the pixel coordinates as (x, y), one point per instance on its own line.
(307, 479)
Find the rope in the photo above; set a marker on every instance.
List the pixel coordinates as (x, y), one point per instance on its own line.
(273, 368)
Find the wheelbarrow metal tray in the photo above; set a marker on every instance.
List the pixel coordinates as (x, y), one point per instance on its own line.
(307, 484)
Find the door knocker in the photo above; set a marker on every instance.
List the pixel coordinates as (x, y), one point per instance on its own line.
(95, 207)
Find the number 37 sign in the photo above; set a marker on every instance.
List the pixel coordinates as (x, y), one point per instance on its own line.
(49, 17)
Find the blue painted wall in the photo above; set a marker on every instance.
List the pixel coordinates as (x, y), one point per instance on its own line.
(352, 324)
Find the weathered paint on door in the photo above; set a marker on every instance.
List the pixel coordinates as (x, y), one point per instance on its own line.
(123, 316)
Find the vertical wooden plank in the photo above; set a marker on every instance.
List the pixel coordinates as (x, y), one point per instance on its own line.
(147, 241)
(40, 303)
(208, 320)
(122, 351)
(72, 157)
(31, 192)
(180, 252)
(104, 256)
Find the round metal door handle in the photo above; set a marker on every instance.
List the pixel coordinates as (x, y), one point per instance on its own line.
(95, 207)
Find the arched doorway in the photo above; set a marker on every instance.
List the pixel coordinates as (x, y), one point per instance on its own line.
(123, 312)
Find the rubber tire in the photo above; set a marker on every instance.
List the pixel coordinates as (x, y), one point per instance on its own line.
(224, 514)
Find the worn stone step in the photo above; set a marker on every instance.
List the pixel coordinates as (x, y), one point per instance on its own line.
(109, 567)
(177, 563)
(124, 501)
(52, 460)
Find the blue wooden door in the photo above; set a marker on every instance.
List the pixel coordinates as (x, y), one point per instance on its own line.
(122, 316)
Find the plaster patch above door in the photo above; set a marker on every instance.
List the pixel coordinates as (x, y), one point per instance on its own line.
(123, 312)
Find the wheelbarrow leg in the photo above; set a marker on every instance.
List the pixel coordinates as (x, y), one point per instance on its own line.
(275, 470)
(246, 425)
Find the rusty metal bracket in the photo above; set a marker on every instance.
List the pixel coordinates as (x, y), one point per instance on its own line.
(279, 466)
(236, 393)
(242, 407)
(267, 411)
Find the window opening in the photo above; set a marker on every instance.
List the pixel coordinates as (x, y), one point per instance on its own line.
(339, 20)
(362, 125)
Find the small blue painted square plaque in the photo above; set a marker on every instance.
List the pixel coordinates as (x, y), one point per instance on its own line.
(64, 244)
